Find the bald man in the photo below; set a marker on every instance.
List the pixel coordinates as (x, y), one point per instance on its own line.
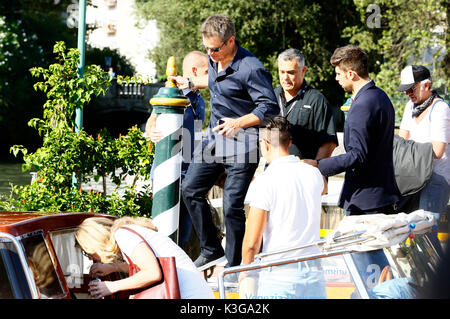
(195, 64)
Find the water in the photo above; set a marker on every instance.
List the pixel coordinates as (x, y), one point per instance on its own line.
(12, 173)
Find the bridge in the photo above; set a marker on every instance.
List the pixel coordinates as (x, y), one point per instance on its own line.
(123, 106)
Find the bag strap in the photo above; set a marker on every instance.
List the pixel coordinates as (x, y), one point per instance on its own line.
(139, 235)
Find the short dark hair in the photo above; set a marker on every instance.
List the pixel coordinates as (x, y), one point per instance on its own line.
(351, 57)
(218, 25)
(280, 127)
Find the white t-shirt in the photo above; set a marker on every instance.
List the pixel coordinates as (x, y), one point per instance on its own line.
(290, 191)
(192, 283)
(434, 126)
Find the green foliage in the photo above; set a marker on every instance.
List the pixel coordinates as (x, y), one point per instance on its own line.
(97, 56)
(264, 27)
(28, 31)
(66, 150)
(409, 32)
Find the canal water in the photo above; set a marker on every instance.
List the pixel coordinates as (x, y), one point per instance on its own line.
(12, 173)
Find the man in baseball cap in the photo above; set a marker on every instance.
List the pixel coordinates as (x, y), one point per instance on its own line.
(411, 75)
(426, 119)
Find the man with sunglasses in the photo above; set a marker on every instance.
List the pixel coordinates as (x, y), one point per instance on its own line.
(426, 119)
(241, 96)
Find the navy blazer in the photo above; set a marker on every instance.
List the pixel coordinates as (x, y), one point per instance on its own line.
(368, 162)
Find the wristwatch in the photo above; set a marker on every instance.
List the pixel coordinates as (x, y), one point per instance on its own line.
(191, 85)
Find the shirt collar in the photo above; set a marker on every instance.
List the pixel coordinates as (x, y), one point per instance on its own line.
(234, 65)
(283, 159)
(362, 89)
(305, 86)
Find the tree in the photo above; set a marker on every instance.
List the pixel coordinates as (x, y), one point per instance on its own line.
(264, 27)
(28, 31)
(396, 33)
(65, 151)
(97, 56)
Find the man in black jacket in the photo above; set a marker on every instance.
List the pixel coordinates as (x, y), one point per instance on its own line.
(369, 186)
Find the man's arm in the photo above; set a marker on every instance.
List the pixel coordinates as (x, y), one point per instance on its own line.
(256, 223)
(404, 134)
(150, 129)
(230, 126)
(438, 149)
(359, 138)
(325, 150)
(200, 82)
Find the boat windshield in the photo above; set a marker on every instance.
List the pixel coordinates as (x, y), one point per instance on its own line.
(396, 272)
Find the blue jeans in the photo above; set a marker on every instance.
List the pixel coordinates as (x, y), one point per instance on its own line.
(434, 198)
(304, 280)
(199, 179)
(397, 288)
(185, 223)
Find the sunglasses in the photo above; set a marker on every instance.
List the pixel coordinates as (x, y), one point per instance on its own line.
(87, 255)
(215, 49)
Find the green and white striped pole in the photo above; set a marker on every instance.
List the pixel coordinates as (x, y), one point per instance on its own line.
(169, 105)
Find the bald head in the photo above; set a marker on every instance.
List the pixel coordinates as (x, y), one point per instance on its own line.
(195, 63)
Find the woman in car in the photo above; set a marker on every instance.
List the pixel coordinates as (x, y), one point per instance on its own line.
(105, 241)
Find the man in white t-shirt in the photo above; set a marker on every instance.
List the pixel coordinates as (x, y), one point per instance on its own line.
(426, 119)
(285, 209)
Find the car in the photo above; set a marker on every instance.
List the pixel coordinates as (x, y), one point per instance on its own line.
(39, 258)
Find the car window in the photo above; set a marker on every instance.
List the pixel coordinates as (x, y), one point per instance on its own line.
(41, 265)
(13, 283)
(71, 259)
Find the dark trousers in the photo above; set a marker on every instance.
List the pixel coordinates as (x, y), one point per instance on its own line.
(199, 179)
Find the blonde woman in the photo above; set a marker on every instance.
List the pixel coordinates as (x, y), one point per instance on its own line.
(105, 242)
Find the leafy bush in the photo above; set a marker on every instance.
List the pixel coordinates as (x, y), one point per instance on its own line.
(71, 157)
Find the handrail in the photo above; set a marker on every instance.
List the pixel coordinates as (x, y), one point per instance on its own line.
(26, 269)
(337, 242)
(283, 261)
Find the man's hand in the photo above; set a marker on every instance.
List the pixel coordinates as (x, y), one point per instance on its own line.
(181, 82)
(228, 128)
(154, 135)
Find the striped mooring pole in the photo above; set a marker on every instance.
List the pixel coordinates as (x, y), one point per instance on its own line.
(169, 105)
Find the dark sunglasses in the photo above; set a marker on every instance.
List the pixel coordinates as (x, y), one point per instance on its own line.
(87, 255)
(215, 49)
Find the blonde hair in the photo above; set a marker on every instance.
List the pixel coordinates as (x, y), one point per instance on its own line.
(95, 235)
(41, 266)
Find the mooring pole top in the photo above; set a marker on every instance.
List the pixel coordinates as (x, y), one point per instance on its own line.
(170, 95)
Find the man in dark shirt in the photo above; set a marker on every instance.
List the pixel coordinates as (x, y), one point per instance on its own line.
(241, 96)
(369, 186)
(306, 109)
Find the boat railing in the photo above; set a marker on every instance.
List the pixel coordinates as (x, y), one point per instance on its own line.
(324, 244)
(258, 265)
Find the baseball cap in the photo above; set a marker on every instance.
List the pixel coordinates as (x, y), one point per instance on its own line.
(411, 75)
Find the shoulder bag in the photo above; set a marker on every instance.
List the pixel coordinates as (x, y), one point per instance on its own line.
(166, 288)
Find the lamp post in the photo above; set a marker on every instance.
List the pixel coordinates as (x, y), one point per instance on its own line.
(82, 48)
(80, 69)
(169, 105)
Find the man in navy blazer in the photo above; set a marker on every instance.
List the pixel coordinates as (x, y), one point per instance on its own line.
(369, 186)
